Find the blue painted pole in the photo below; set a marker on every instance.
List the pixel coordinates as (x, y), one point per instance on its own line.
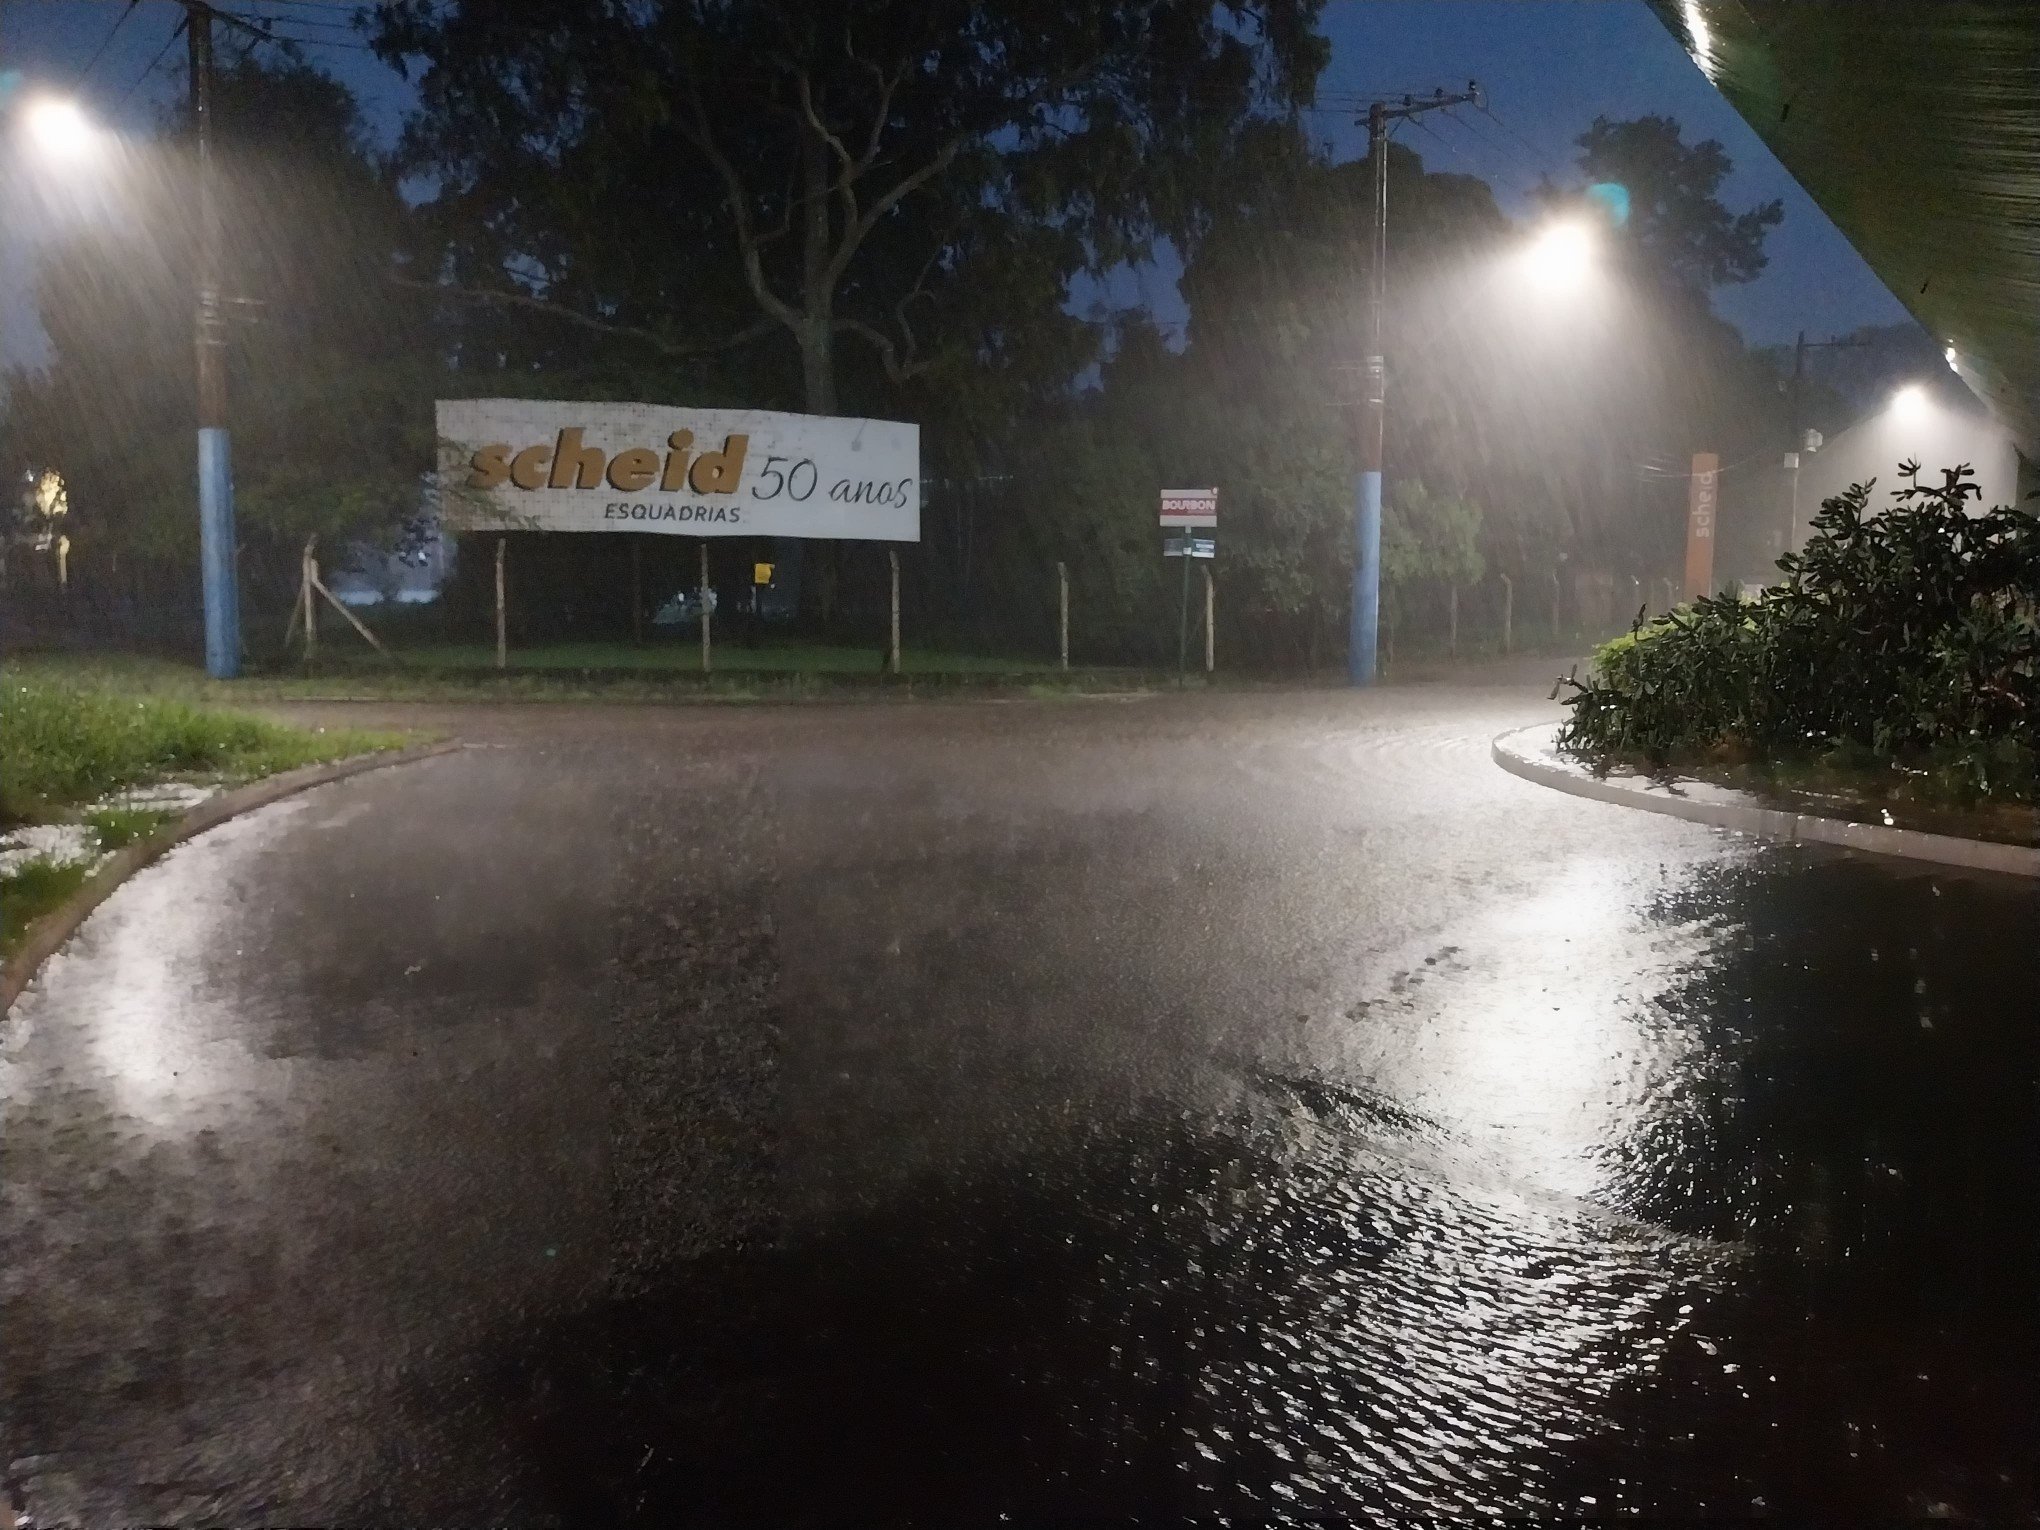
(1360, 637)
(1360, 667)
(217, 570)
(216, 555)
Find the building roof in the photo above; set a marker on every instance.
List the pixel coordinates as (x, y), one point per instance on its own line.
(1916, 127)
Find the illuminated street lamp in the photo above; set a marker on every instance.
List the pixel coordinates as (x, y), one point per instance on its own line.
(1561, 256)
(1909, 402)
(60, 130)
(62, 133)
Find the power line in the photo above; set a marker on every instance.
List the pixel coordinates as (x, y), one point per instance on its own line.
(263, 27)
(168, 43)
(1543, 155)
(1523, 167)
(1648, 470)
(346, 27)
(1450, 148)
(100, 51)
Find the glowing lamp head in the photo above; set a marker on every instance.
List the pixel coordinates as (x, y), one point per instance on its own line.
(1559, 258)
(1909, 402)
(59, 128)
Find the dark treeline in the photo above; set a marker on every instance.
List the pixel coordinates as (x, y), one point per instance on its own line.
(884, 209)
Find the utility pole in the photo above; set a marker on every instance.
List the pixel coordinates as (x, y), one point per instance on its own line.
(1797, 425)
(215, 457)
(1360, 665)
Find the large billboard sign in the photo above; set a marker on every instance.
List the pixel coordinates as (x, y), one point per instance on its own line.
(515, 464)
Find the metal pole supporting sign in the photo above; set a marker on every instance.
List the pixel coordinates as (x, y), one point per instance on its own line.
(1188, 511)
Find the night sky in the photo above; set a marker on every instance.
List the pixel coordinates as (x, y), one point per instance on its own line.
(1548, 67)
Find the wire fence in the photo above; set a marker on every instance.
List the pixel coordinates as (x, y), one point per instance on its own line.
(977, 589)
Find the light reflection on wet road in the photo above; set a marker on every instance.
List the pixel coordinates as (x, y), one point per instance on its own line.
(1238, 1105)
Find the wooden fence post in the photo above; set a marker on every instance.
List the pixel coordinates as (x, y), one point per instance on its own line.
(1062, 621)
(707, 653)
(893, 659)
(637, 589)
(502, 628)
(308, 577)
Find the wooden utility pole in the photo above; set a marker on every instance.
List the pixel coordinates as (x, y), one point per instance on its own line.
(1210, 641)
(1366, 609)
(1794, 426)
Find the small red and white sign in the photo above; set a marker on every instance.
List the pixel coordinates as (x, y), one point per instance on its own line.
(1189, 507)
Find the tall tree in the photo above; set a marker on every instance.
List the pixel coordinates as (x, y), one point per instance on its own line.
(1671, 193)
(699, 174)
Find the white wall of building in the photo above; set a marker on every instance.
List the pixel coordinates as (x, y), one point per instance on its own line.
(1929, 428)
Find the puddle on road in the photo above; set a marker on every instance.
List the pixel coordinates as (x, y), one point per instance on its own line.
(1780, 1264)
(1279, 1310)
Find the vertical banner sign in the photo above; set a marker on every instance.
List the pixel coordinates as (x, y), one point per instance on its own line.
(1702, 504)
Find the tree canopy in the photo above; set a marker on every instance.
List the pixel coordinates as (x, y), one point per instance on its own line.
(1673, 211)
(701, 176)
(883, 208)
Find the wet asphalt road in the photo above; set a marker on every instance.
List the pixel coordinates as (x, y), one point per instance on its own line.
(1239, 1106)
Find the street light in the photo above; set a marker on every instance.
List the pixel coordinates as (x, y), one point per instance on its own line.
(59, 129)
(1909, 402)
(1561, 256)
(63, 133)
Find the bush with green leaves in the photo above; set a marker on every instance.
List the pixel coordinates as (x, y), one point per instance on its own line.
(1906, 637)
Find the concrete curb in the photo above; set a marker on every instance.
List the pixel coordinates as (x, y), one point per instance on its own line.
(1524, 752)
(48, 933)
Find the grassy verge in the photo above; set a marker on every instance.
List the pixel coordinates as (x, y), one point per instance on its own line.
(67, 742)
(70, 740)
(596, 672)
(28, 892)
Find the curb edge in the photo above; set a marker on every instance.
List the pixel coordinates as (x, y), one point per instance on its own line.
(47, 934)
(1770, 823)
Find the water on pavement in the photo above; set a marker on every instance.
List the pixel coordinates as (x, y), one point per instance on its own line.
(1237, 1107)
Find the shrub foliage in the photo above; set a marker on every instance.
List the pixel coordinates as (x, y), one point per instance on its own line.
(1909, 635)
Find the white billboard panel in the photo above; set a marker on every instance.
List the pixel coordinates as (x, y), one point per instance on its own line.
(517, 464)
(1189, 507)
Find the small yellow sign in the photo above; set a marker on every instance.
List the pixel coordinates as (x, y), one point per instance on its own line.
(761, 573)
